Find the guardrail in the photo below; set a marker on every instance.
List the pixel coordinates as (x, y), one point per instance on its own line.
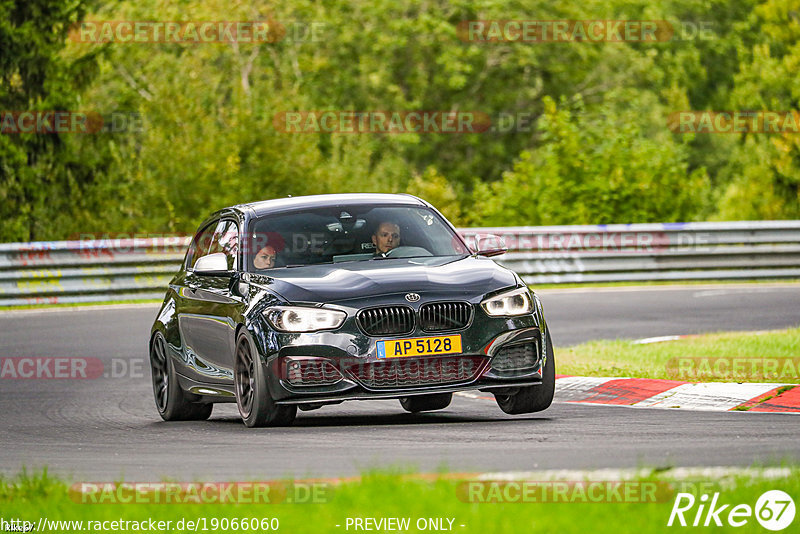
(89, 270)
(140, 268)
(651, 252)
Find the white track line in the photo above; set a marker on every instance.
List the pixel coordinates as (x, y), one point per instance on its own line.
(576, 387)
(713, 396)
(677, 473)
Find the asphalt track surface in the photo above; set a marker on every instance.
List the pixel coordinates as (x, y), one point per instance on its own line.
(108, 428)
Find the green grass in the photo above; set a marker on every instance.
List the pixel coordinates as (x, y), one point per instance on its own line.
(383, 495)
(727, 357)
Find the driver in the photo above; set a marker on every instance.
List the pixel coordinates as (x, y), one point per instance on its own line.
(386, 237)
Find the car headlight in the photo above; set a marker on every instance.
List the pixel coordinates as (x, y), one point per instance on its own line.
(301, 319)
(509, 304)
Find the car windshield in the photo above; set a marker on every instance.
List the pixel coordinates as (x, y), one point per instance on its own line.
(340, 234)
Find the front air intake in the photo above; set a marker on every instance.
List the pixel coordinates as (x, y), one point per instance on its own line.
(517, 357)
(413, 372)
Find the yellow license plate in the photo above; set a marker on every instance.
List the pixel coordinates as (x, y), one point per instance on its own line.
(419, 346)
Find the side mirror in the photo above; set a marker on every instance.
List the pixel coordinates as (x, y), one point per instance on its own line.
(212, 265)
(490, 245)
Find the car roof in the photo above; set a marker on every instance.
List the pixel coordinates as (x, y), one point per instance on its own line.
(264, 207)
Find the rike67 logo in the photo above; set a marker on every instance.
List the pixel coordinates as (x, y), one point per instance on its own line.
(774, 510)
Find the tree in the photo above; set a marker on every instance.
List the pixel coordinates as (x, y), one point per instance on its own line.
(594, 169)
(762, 178)
(38, 173)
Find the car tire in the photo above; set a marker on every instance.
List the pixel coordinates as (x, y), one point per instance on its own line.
(171, 400)
(533, 398)
(256, 406)
(426, 403)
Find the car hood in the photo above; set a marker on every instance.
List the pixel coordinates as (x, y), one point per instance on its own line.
(444, 276)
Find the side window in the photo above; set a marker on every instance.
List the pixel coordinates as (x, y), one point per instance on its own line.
(200, 244)
(226, 240)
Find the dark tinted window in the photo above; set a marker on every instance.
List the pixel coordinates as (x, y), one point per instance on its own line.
(200, 244)
(344, 233)
(226, 240)
(219, 236)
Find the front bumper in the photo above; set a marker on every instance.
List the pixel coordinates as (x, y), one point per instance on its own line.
(377, 395)
(485, 342)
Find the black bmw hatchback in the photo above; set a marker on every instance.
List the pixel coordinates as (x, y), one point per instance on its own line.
(302, 302)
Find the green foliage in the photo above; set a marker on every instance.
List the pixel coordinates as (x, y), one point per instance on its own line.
(434, 187)
(594, 170)
(37, 174)
(763, 173)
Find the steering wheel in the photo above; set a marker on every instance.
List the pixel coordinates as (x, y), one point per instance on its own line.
(407, 252)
